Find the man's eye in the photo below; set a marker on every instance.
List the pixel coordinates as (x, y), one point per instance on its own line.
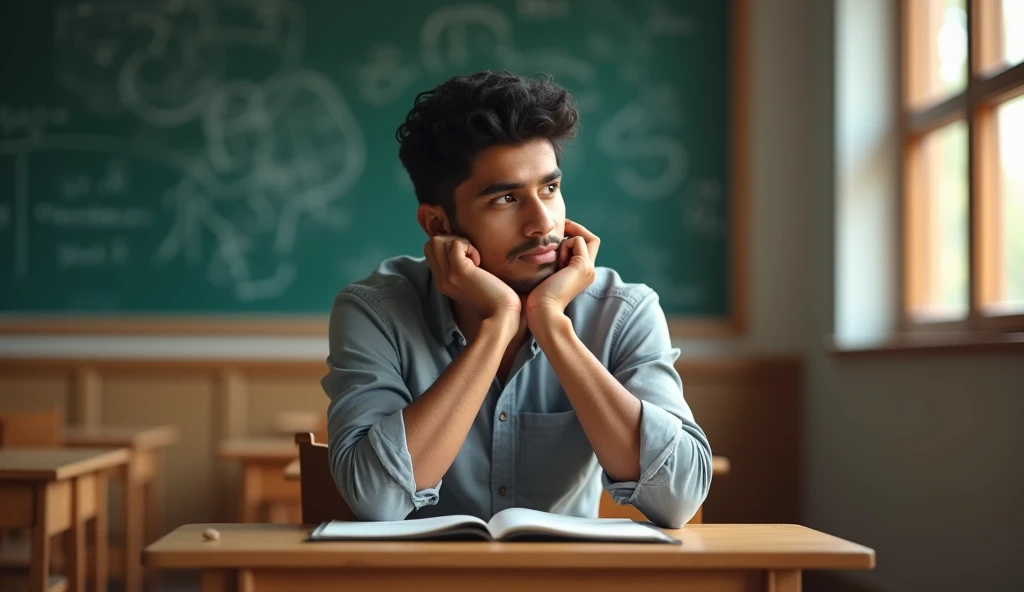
(552, 187)
(504, 199)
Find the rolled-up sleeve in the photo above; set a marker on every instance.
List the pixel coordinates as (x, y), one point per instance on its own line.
(368, 453)
(675, 457)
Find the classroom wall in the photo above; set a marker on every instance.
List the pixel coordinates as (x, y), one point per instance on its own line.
(918, 456)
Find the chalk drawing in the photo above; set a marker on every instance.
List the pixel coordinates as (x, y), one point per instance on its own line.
(544, 10)
(113, 181)
(703, 208)
(662, 21)
(628, 136)
(31, 122)
(162, 60)
(445, 36)
(452, 35)
(386, 77)
(279, 148)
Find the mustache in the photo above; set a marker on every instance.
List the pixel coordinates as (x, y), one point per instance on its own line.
(533, 244)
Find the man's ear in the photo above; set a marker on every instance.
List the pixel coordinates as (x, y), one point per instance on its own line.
(433, 220)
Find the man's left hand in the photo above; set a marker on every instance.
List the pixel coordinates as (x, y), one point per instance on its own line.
(578, 251)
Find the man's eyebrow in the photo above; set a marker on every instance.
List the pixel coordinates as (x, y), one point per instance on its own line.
(500, 187)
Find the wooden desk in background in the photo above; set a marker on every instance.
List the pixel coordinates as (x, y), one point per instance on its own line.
(54, 490)
(718, 557)
(143, 484)
(263, 461)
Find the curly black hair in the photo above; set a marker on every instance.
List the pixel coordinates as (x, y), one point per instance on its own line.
(450, 124)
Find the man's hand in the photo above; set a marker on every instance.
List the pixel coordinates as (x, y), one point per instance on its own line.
(556, 292)
(456, 267)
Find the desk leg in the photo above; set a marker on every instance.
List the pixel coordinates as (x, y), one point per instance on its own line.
(154, 498)
(74, 538)
(100, 534)
(784, 580)
(154, 511)
(215, 580)
(250, 502)
(133, 524)
(39, 564)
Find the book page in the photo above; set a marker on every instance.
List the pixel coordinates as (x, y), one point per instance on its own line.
(522, 520)
(395, 529)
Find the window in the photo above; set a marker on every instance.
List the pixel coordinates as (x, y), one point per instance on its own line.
(963, 175)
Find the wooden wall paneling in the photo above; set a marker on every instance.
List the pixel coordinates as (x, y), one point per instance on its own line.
(231, 413)
(86, 397)
(750, 411)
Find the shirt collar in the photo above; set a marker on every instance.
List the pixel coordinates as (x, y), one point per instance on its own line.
(441, 309)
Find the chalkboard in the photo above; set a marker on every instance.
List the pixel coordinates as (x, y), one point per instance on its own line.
(219, 157)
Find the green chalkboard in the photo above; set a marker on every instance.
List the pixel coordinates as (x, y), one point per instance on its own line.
(219, 157)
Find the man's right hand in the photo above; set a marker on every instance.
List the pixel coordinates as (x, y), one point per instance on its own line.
(456, 267)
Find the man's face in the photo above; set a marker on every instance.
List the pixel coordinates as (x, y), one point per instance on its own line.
(511, 209)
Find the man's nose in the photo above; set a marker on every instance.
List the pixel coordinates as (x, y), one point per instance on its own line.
(539, 221)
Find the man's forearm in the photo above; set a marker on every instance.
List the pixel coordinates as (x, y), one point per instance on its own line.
(436, 423)
(609, 414)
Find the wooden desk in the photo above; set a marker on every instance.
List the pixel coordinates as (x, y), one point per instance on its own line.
(143, 484)
(263, 462)
(54, 490)
(719, 557)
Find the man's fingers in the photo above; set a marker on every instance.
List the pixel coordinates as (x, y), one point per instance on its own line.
(565, 252)
(577, 229)
(580, 249)
(439, 247)
(459, 255)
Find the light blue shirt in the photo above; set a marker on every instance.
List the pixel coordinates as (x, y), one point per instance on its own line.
(393, 334)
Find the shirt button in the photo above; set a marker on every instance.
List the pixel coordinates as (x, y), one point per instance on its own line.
(502, 416)
(502, 491)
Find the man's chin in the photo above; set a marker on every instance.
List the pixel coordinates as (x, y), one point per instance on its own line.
(525, 285)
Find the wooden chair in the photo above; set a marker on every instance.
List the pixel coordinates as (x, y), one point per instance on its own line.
(321, 500)
(289, 423)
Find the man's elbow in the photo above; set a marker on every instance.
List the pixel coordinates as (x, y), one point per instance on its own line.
(689, 491)
(370, 509)
(365, 490)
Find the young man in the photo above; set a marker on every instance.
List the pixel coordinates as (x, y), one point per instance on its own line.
(504, 369)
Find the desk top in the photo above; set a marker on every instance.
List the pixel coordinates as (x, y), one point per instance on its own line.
(259, 449)
(714, 546)
(57, 464)
(135, 437)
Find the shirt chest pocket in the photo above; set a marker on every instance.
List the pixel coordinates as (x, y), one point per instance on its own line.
(553, 458)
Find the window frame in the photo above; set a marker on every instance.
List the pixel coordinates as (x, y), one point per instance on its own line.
(976, 104)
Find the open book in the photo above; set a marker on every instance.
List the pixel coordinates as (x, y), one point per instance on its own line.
(512, 524)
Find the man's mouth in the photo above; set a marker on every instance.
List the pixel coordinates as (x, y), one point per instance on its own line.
(541, 254)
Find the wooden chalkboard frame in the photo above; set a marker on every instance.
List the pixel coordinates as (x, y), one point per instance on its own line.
(734, 324)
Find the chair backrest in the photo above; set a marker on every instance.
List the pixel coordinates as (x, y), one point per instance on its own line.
(295, 422)
(319, 495)
(42, 426)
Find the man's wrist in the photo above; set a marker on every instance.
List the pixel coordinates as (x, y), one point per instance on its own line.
(546, 324)
(502, 326)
